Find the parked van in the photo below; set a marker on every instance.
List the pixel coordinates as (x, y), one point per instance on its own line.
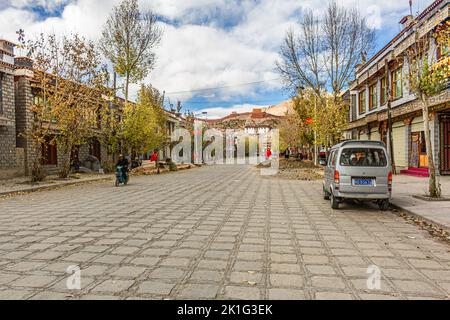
(358, 170)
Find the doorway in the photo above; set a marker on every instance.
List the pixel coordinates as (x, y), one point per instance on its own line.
(418, 156)
(445, 144)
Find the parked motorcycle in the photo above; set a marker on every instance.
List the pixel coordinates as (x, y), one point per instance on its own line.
(122, 176)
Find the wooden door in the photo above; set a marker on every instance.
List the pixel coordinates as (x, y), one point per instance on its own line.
(415, 147)
(423, 157)
(49, 152)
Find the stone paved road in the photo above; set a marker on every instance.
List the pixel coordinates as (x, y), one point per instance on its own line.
(211, 233)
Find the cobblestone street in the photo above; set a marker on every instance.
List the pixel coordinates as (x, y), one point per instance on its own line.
(220, 232)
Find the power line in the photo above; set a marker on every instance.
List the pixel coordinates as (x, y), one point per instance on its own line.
(234, 102)
(224, 87)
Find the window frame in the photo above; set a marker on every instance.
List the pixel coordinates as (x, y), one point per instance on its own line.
(373, 95)
(360, 104)
(330, 158)
(443, 51)
(383, 91)
(366, 149)
(394, 76)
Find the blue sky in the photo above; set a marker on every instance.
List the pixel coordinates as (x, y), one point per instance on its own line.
(206, 43)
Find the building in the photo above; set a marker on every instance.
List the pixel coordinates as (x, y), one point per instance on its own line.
(26, 95)
(174, 121)
(11, 157)
(18, 93)
(368, 99)
(282, 109)
(257, 122)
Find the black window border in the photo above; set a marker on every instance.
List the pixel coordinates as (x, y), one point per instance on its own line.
(348, 166)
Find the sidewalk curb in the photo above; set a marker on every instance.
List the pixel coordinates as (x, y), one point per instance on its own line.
(427, 220)
(52, 187)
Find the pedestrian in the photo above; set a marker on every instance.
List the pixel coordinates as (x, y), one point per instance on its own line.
(268, 153)
(154, 158)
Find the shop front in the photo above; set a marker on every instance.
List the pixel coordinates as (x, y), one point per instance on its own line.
(444, 137)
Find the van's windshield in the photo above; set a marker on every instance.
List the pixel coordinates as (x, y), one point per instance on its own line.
(363, 157)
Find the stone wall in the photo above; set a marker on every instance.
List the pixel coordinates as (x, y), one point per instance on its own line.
(7, 130)
(24, 120)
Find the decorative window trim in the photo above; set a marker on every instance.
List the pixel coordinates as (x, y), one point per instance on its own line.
(362, 107)
(373, 97)
(394, 83)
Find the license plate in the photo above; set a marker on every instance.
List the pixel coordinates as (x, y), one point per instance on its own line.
(363, 182)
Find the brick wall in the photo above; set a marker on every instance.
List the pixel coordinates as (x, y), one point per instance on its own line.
(24, 120)
(7, 131)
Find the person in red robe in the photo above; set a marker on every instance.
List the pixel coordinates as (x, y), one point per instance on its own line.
(268, 153)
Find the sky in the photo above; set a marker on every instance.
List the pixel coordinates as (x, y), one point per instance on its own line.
(227, 44)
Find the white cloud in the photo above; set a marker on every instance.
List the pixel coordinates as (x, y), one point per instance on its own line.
(211, 43)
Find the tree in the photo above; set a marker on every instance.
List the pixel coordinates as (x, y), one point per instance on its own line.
(111, 130)
(326, 51)
(144, 124)
(427, 79)
(128, 40)
(347, 41)
(319, 120)
(70, 80)
(294, 131)
(302, 64)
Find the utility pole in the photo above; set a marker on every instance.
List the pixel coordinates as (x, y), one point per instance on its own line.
(389, 125)
(315, 130)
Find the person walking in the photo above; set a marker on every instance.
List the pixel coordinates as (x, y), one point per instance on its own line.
(268, 153)
(154, 158)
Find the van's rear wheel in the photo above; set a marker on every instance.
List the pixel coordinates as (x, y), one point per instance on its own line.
(326, 195)
(384, 205)
(334, 202)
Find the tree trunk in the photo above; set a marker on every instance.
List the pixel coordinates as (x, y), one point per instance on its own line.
(65, 168)
(434, 187)
(37, 171)
(127, 84)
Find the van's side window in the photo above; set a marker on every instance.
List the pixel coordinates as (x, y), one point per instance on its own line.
(330, 158)
(333, 162)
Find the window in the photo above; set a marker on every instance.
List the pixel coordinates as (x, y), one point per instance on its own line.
(373, 97)
(333, 160)
(443, 52)
(38, 100)
(353, 104)
(383, 96)
(397, 83)
(363, 157)
(330, 158)
(362, 102)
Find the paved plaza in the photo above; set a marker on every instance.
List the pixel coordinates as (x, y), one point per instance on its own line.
(221, 232)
